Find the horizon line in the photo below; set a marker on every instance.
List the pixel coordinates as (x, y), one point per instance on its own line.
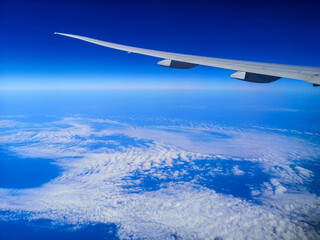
(130, 87)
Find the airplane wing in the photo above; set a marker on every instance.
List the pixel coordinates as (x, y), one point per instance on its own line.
(246, 70)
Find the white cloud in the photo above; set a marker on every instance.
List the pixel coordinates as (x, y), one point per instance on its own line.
(92, 186)
(8, 123)
(237, 171)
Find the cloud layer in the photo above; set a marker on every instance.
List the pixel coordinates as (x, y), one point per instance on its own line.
(110, 170)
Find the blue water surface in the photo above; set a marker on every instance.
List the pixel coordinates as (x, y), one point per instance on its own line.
(18, 172)
(44, 229)
(214, 174)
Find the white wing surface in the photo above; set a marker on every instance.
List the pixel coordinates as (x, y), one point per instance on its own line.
(247, 70)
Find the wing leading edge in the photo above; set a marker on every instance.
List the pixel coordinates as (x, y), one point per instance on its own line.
(247, 70)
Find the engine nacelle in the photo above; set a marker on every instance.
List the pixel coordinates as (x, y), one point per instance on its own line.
(254, 77)
(176, 64)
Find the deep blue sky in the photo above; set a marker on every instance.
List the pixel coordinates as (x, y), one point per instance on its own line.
(274, 31)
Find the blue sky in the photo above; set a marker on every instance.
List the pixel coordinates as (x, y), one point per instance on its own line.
(31, 56)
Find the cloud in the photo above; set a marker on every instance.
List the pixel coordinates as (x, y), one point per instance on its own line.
(237, 171)
(195, 107)
(93, 188)
(8, 123)
(282, 110)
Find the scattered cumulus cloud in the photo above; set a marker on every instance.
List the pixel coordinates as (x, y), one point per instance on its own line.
(237, 171)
